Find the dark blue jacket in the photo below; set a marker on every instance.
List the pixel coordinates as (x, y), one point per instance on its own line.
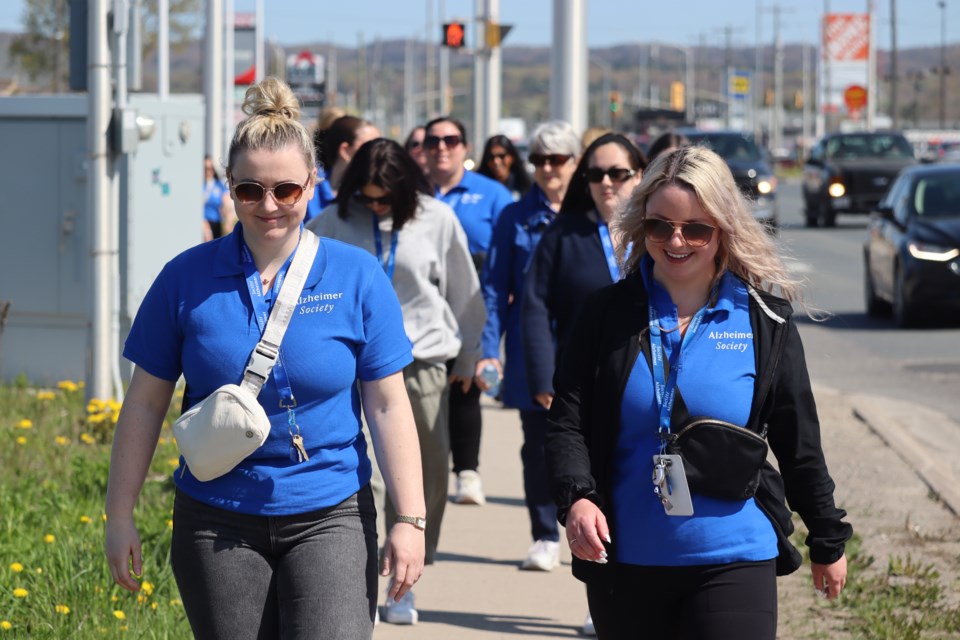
(568, 265)
(515, 237)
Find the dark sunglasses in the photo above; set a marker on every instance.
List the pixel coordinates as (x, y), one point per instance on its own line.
(555, 159)
(616, 174)
(433, 142)
(285, 193)
(414, 144)
(499, 156)
(365, 200)
(695, 234)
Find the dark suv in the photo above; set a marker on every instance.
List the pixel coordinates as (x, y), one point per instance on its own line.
(749, 166)
(850, 172)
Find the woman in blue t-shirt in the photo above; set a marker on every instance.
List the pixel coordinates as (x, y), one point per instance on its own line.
(216, 205)
(283, 545)
(687, 333)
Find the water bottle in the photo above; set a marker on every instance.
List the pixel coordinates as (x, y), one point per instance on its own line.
(491, 376)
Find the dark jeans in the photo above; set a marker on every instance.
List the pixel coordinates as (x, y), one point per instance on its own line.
(465, 425)
(709, 602)
(540, 505)
(291, 577)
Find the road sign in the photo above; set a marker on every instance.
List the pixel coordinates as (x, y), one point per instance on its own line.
(738, 84)
(453, 35)
(855, 97)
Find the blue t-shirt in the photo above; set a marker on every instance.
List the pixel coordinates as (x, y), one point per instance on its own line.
(212, 199)
(716, 372)
(477, 201)
(197, 319)
(322, 196)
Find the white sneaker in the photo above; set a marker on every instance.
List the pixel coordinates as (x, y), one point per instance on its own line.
(543, 555)
(402, 612)
(588, 628)
(469, 488)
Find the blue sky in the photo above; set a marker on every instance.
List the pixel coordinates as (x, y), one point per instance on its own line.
(609, 22)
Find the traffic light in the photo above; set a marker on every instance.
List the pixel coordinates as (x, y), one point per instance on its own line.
(798, 99)
(677, 97)
(615, 104)
(453, 35)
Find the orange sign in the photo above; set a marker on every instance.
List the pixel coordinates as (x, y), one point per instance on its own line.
(846, 36)
(855, 97)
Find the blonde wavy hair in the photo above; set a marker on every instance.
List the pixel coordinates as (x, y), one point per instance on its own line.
(745, 246)
(272, 122)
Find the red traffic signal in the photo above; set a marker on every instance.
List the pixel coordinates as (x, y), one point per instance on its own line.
(453, 35)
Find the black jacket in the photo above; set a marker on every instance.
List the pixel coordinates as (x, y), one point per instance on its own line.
(584, 420)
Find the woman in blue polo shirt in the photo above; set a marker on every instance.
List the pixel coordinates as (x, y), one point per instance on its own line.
(282, 545)
(687, 333)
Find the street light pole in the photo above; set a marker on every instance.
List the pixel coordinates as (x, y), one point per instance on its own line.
(943, 63)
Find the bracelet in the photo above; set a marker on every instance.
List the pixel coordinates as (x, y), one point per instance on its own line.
(416, 521)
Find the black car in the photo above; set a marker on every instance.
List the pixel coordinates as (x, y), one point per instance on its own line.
(911, 259)
(749, 166)
(850, 172)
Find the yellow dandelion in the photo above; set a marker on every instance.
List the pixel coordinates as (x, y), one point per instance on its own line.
(176, 602)
(49, 538)
(161, 440)
(5, 625)
(39, 570)
(21, 440)
(153, 606)
(96, 418)
(26, 423)
(62, 608)
(113, 405)
(103, 517)
(147, 588)
(115, 417)
(173, 462)
(123, 627)
(169, 524)
(86, 438)
(85, 520)
(46, 395)
(68, 385)
(119, 615)
(95, 405)
(20, 592)
(16, 567)
(62, 440)
(141, 598)
(114, 598)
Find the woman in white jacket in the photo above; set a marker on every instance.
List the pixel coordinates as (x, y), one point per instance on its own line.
(384, 206)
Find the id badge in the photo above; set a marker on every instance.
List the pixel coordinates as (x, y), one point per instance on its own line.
(673, 490)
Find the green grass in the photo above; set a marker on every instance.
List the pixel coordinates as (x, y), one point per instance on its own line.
(54, 580)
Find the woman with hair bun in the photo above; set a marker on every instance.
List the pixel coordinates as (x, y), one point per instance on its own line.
(283, 545)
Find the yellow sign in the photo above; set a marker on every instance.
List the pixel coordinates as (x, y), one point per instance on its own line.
(677, 96)
(739, 85)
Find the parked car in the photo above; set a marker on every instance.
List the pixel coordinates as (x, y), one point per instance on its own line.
(749, 165)
(911, 259)
(850, 172)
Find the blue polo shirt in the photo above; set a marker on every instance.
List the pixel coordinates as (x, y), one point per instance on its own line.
(197, 320)
(213, 199)
(322, 196)
(477, 201)
(715, 373)
(515, 237)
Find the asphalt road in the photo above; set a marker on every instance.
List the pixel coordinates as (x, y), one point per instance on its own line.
(851, 352)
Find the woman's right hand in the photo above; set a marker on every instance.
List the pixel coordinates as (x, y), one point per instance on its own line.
(121, 546)
(478, 372)
(586, 531)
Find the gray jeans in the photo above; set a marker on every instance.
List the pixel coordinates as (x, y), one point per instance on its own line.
(304, 576)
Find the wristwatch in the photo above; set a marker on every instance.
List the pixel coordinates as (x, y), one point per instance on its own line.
(419, 523)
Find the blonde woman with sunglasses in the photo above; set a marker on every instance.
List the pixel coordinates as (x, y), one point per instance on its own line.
(284, 545)
(693, 333)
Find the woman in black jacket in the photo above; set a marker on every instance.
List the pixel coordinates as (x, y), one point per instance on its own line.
(673, 557)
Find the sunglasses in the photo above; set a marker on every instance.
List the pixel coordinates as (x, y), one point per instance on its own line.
(414, 144)
(616, 174)
(285, 193)
(695, 234)
(498, 156)
(555, 159)
(365, 200)
(433, 142)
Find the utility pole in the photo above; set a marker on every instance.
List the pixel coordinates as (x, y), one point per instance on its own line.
(479, 77)
(445, 106)
(213, 79)
(894, 80)
(943, 63)
(757, 89)
(872, 93)
(428, 61)
(568, 63)
(777, 128)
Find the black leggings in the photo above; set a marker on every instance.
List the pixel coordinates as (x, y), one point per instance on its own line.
(465, 427)
(710, 602)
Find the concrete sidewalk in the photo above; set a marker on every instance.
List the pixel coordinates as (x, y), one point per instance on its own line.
(477, 590)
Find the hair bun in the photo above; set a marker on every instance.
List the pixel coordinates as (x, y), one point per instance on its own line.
(271, 97)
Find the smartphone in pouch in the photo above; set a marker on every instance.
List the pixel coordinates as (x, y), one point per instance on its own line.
(675, 488)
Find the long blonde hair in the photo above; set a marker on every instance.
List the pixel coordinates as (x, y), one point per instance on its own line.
(745, 247)
(272, 122)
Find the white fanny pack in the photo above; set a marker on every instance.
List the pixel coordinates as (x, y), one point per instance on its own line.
(215, 435)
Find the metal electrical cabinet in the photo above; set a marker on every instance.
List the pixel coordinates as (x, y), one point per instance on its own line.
(45, 243)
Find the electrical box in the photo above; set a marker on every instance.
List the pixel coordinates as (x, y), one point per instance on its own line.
(45, 247)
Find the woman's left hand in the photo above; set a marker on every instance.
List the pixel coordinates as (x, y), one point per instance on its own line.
(403, 557)
(829, 579)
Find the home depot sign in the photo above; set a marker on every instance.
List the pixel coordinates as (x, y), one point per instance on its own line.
(845, 58)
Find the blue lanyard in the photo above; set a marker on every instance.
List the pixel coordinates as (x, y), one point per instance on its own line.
(607, 245)
(666, 389)
(389, 265)
(261, 310)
